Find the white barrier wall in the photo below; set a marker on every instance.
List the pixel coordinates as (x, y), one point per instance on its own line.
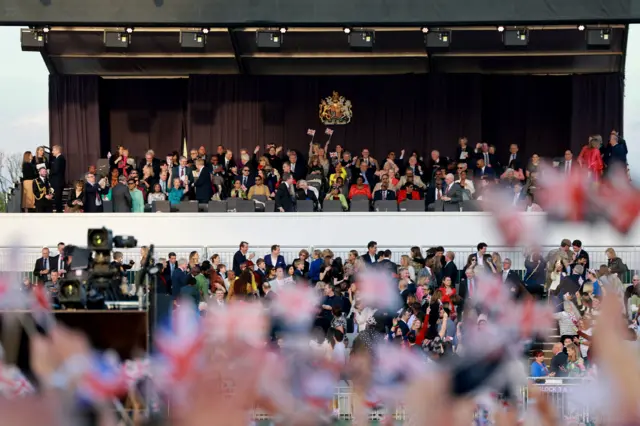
(288, 229)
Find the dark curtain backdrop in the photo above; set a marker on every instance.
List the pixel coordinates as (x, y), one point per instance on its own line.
(144, 114)
(600, 100)
(542, 114)
(74, 122)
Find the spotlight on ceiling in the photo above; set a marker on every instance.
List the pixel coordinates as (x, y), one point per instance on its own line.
(362, 39)
(32, 40)
(129, 30)
(283, 30)
(46, 29)
(346, 30)
(424, 30)
(580, 27)
(205, 31)
(501, 28)
(437, 40)
(116, 40)
(268, 39)
(193, 39)
(516, 38)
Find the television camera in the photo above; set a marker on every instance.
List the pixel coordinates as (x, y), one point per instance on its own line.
(92, 277)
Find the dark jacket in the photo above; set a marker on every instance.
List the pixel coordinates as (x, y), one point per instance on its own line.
(121, 199)
(204, 190)
(284, 199)
(178, 281)
(57, 172)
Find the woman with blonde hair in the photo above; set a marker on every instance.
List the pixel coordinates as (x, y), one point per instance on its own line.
(556, 274)
(405, 262)
(497, 261)
(575, 363)
(590, 157)
(28, 175)
(615, 264)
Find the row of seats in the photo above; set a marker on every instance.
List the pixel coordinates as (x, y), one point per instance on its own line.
(304, 206)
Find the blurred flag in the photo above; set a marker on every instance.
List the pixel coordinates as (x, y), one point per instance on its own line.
(378, 289)
(180, 346)
(13, 384)
(311, 132)
(41, 307)
(564, 197)
(328, 132)
(296, 307)
(618, 200)
(394, 368)
(239, 322)
(103, 381)
(135, 371)
(10, 295)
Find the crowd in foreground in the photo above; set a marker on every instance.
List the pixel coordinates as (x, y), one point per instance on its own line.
(289, 176)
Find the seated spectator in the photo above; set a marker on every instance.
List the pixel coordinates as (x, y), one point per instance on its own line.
(75, 202)
(177, 193)
(360, 189)
(408, 192)
(237, 191)
(409, 177)
(384, 193)
(156, 194)
(510, 177)
(304, 192)
(340, 172)
(336, 195)
(483, 171)
(259, 189)
(466, 184)
(246, 180)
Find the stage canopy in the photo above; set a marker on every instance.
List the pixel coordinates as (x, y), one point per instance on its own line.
(224, 13)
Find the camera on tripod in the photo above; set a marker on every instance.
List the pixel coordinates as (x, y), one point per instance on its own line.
(91, 271)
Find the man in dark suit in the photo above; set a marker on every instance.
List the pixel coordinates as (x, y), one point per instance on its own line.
(43, 267)
(150, 160)
(275, 259)
(247, 180)
(367, 175)
(482, 153)
(512, 280)
(183, 172)
(285, 200)
(567, 165)
(298, 168)
(384, 193)
(451, 194)
(202, 185)
(580, 256)
(179, 278)
(93, 194)
(558, 362)
(385, 264)
(483, 171)
(121, 197)
(514, 160)
(370, 256)
(59, 263)
(57, 176)
(450, 269)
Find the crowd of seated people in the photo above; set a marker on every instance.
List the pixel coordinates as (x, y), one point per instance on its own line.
(439, 182)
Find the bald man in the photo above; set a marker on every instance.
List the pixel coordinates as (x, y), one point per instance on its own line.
(558, 362)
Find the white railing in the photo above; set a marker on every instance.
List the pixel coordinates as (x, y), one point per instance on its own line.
(24, 259)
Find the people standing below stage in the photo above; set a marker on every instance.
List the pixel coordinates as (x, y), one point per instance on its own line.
(42, 191)
(58, 168)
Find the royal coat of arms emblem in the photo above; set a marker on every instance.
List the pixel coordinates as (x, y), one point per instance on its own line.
(335, 110)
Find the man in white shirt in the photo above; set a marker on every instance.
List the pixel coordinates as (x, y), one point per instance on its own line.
(482, 250)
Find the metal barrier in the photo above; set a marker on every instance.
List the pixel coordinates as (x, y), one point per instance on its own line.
(558, 390)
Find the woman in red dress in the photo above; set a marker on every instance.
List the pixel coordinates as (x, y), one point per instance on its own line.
(591, 159)
(448, 293)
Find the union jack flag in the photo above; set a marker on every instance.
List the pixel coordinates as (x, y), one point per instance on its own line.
(619, 201)
(328, 132)
(528, 318)
(10, 295)
(135, 370)
(378, 290)
(239, 322)
(311, 132)
(41, 307)
(296, 306)
(103, 381)
(394, 368)
(13, 384)
(180, 346)
(564, 197)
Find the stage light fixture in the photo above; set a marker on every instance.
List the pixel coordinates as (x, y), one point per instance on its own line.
(205, 31)
(501, 28)
(129, 30)
(424, 30)
(517, 38)
(33, 40)
(283, 30)
(599, 38)
(346, 30)
(580, 27)
(269, 39)
(362, 39)
(193, 39)
(46, 29)
(437, 39)
(117, 40)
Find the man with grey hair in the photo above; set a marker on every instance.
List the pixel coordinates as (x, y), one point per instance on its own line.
(93, 192)
(179, 278)
(451, 193)
(121, 197)
(57, 170)
(151, 161)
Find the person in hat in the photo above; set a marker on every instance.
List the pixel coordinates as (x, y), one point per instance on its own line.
(42, 191)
